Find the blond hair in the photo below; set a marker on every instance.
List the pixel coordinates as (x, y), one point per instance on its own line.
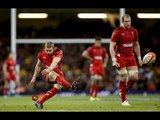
(49, 44)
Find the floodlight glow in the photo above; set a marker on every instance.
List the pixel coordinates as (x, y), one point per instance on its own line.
(148, 15)
(92, 15)
(32, 15)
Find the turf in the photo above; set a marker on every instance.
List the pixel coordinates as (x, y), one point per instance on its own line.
(78, 103)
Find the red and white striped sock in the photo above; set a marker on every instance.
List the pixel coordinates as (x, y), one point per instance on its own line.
(122, 87)
(48, 95)
(61, 80)
(129, 84)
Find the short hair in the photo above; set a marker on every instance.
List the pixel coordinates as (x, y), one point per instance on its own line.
(98, 38)
(125, 15)
(49, 44)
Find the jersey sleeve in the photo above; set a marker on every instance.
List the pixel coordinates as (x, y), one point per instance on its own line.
(115, 34)
(59, 53)
(40, 56)
(89, 50)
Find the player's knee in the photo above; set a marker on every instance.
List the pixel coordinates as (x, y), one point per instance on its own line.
(58, 86)
(122, 72)
(133, 74)
(12, 84)
(51, 77)
(123, 78)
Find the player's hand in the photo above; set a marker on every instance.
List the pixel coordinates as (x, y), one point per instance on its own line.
(45, 71)
(115, 64)
(32, 81)
(140, 62)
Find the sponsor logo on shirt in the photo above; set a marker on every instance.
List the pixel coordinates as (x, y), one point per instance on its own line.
(98, 57)
(127, 45)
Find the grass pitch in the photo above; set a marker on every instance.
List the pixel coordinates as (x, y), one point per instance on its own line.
(78, 103)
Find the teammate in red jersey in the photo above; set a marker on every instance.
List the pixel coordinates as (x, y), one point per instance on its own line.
(10, 76)
(51, 57)
(98, 62)
(124, 43)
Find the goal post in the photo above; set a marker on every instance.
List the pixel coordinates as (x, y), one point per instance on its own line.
(60, 41)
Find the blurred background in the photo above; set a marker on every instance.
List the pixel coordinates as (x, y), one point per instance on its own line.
(73, 34)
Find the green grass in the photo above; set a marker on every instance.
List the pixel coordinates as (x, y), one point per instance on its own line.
(81, 103)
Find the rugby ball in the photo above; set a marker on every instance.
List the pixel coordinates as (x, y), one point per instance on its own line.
(34, 97)
(149, 58)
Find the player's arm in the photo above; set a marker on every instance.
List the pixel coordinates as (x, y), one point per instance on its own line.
(138, 52)
(53, 65)
(86, 55)
(111, 50)
(36, 71)
(5, 70)
(113, 54)
(105, 61)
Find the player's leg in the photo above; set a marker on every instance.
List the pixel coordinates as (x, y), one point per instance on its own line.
(17, 87)
(94, 89)
(59, 78)
(133, 73)
(6, 88)
(122, 83)
(12, 86)
(93, 85)
(133, 77)
(100, 77)
(49, 94)
(55, 77)
(123, 74)
(50, 78)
